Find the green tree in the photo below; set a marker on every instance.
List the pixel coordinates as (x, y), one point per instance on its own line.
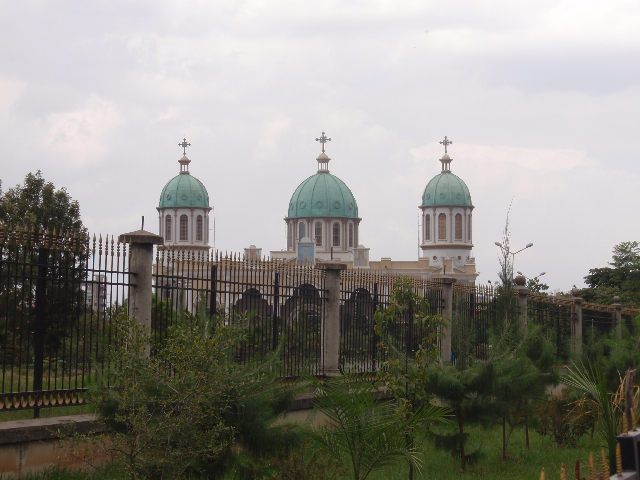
(37, 203)
(191, 409)
(621, 278)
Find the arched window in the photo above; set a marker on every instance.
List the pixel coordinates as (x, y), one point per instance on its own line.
(300, 231)
(427, 227)
(289, 236)
(199, 228)
(184, 228)
(336, 234)
(458, 226)
(318, 233)
(351, 235)
(167, 230)
(469, 228)
(442, 227)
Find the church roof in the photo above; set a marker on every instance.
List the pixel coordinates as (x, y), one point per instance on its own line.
(322, 195)
(446, 189)
(184, 190)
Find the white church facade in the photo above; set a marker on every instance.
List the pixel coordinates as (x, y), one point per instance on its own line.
(322, 222)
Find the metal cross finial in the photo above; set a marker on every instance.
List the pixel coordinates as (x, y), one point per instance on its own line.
(445, 142)
(184, 145)
(323, 139)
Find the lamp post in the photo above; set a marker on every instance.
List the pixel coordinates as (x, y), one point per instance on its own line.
(506, 250)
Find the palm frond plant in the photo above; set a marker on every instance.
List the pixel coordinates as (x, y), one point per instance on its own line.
(364, 431)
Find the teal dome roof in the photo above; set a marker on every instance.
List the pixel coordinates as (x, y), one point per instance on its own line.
(323, 195)
(446, 189)
(184, 190)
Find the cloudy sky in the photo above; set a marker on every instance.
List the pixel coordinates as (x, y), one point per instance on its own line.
(541, 100)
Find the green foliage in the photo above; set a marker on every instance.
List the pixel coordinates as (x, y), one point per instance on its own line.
(37, 203)
(561, 420)
(590, 380)
(191, 409)
(366, 433)
(404, 374)
(622, 278)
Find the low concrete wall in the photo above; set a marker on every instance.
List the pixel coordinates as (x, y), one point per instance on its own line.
(34, 445)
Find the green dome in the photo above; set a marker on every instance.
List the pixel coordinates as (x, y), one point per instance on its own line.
(323, 195)
(446, 189)
(184, 190)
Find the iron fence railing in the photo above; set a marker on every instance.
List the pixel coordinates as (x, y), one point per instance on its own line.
(282, 304)
(57, 297)
(475, 309)
(361, 295)
(555, 315)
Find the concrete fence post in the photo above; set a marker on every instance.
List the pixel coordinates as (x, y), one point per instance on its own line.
(576, 329)
(330, 332)
(523, 299)
(618, 317)
(140, 270)
(447, 312)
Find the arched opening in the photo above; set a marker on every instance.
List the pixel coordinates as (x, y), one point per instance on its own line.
(301, 231)
(318, 233)
(458, 222)
(167, 231)
(351, 235)
(336, 234)
(184, 228)
(427, 227)
(199, 228)
(442, 226)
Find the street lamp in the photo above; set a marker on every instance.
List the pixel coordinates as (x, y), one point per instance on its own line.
(534, 278)
(513, 254)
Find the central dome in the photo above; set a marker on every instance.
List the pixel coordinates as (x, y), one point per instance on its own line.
(184, 190)
(322, 195)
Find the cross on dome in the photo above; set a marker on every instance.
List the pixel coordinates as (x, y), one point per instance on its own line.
(184, 145)
(323, 139)
(446, 143)
(184, 161)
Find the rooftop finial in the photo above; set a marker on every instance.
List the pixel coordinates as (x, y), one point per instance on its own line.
(184, 161)
(323, 139)
(446, 159)
(446, 143)
(184, 146)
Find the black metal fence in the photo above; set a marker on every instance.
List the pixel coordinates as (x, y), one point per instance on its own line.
(57, 296)
(280, 303)
(555, 315)
(361, 295)
(475, 309)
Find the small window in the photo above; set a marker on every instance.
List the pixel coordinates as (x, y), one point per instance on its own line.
(167, 231)
(336, 234)
(351, 235)
(458, 226)
(442, 227)
(301, 231)
(427, 227)
(318, 233)
(184, 228)
(199, 228)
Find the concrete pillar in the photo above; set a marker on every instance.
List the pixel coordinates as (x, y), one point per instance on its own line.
(330, 331)
(140, 270)
(447, 312)
(618, 317)
(523, 295)
(576, 341)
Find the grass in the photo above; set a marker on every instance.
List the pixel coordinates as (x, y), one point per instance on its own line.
(439, 465)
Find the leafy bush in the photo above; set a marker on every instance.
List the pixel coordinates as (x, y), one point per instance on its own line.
(562, 421)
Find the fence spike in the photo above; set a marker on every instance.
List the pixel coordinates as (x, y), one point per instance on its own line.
(605, 464)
